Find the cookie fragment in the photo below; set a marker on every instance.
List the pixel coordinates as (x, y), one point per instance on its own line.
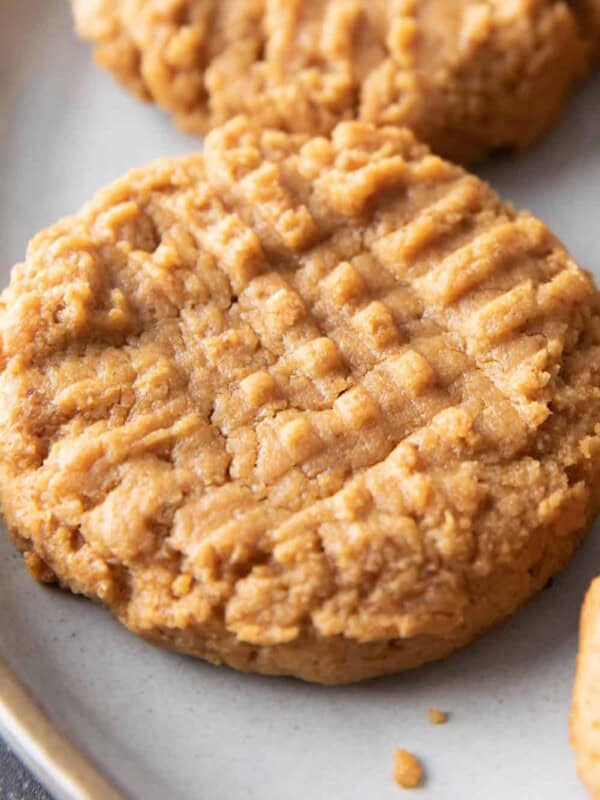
(296, 429)
(585, 715)
(407, 771)
(468, 77)
(436, 716)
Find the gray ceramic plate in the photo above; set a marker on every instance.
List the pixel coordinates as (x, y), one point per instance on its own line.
(168, 728)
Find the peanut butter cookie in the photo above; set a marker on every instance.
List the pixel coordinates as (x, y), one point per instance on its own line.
(314, 406)
(467, 76)
(585, 718)
(588, 13)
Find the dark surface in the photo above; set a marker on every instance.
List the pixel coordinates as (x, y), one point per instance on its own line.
(16, 782)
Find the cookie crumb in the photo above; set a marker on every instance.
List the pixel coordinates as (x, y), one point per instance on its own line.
(408, 772)
(436, 716)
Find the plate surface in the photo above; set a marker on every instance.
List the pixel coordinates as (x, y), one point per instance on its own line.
(169, 728)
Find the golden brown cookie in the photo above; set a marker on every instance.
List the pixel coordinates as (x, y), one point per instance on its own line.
(467, 76)
(585, 717)
(315, 406)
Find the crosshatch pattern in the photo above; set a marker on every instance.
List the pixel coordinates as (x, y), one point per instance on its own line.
(311, 405)
(468, 77)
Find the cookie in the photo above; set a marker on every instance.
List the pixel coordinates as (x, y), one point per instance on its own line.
(468, 77)
(588, 14)
(585, 717)
(315, 406)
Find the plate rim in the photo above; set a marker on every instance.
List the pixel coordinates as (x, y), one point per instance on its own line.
(55, 760)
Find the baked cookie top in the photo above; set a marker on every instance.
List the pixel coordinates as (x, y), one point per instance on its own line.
(585, 717)
(467, 76)
(300, 384)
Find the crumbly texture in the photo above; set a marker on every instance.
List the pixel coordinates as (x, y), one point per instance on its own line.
(37, 568)
(468, 76)
(407, 771)
(585, 717)
(319, 406)
(436, 716)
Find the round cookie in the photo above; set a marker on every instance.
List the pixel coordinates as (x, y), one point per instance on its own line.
(468, 77)
(314, 406)
(585, 717)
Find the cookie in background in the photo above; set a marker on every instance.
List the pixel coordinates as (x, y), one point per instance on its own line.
(585, 715)
(468, 77)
